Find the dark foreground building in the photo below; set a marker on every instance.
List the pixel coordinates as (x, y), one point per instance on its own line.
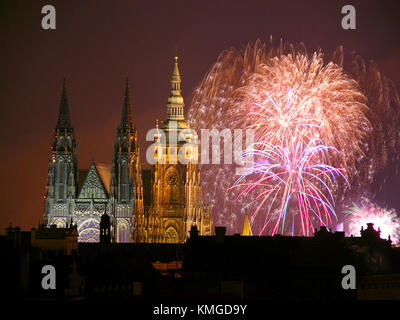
(205, 267)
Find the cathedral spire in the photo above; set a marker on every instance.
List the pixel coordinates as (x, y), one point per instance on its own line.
(126, 119)
(175, 100)
(63, 117)
(63, 168)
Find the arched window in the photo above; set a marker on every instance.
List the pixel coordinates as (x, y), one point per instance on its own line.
(61, 172)
(125, 143)
(125, 182)
(123, 233)
(89, 231)
(171, 235)
(60, 223)
(60, 143)
(61, 179)
(172, 189)
(69, 142)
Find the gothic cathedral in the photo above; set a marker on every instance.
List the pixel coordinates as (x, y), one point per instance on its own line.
(159, 205)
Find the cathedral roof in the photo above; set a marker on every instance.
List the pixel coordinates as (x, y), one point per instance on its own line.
(102, 171)
(169, 124)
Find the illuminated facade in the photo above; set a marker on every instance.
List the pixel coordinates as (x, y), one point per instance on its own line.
(82, 196)
(174, 201)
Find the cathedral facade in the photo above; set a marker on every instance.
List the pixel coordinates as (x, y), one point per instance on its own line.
(152, 206)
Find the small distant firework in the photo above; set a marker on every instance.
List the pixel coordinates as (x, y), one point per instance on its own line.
(384, 219)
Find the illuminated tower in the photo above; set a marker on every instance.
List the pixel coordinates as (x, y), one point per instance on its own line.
(246, 229)
(63, 170)
(123, 175)
(176, 188)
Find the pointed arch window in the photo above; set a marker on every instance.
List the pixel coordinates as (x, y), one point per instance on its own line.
(60, 143)
(171, 235)
(125, 182)
(172, 189)
(69, 142)
(123, 233)
(61, 179)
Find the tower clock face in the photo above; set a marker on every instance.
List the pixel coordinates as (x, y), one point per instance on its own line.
(172, 179)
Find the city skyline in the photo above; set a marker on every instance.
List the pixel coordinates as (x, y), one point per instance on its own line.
(97, 58)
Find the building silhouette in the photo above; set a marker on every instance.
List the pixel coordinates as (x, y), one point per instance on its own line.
(241, 267)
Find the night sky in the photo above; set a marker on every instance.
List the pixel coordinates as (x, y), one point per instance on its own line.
(97, 44)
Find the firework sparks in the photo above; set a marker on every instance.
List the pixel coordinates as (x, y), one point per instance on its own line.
(288, 98)
(387, 221)
(321, 98)
(293, 182)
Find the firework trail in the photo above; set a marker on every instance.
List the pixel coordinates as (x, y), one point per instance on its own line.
(385, 220)
(253, 88)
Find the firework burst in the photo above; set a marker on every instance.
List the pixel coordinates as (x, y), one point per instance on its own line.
(288, 97)
(310, 99)
(292, 183)
(387, 221)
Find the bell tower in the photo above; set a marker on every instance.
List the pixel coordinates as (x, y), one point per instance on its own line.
(63, 169)
(176, 194)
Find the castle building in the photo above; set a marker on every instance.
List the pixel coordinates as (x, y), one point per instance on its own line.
(167, 209)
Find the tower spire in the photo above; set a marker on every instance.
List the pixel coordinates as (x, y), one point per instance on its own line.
(126, 119)
(246, 229)
(63, 117)
(175, 101)
(63, 167)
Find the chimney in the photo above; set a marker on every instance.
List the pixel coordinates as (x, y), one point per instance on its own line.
(220, 234)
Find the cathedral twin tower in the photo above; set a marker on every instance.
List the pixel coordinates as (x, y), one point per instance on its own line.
(154, 206)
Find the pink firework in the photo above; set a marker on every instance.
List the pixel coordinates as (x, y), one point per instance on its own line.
(292, 185)
(286, 96)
